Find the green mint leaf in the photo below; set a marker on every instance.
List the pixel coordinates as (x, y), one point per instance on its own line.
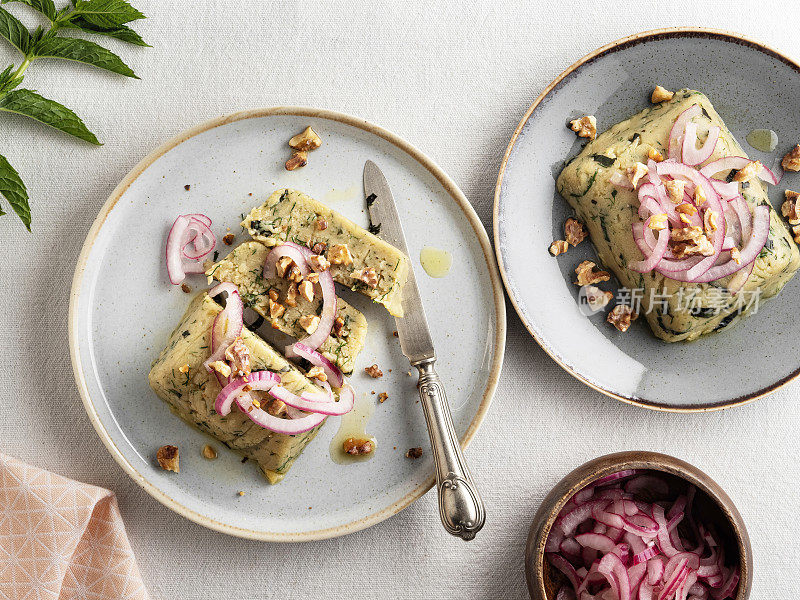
(81, 51)
(14, 31)
(121, 32)
(107, 14)
(46, 7)
(13, 189)
(7, 79)
(49, 112)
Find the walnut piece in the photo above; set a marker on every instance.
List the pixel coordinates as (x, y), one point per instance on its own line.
(558, 247)
(184, 368)
(238, 356)
(209, 452)
(339, 254)
(283, 266)
(319, 248)
(686, 209)
(366, 275)
(796, 232)
(228, 239)
(276, 408)
(168, 458)
(383, 397)
(357, 446)
(306, 289)
(736, 256)
(750, 170)
(338, 327)
(312, 277)
(574, 231)
(309, 323)
(690, 241)
(634, 173)
(791, 162)
(597, 298)
(373, 371)
(273, 294)
(587, 275)
(414, 452)
(709, 222)
(187, 289)
(585, 126)
(305, 141)
(319, 263)
(298, 159)
(657, 222)
(317, 373)
(276, 310)
(699, 195)
(291, 295)
(322, 224)
(789, 208)
(661, 94)
(675, 190)
(621, 317)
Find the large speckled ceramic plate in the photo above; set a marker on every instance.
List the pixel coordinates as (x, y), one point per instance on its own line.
(752, 87)
(123, 309)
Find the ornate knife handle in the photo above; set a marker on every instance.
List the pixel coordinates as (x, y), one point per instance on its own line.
(460, 506)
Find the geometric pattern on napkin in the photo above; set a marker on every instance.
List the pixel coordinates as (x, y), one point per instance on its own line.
(61, 539)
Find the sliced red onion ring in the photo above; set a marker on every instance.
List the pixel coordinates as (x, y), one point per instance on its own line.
(332, 372)
(285, 426)
(651, 260)
(690, 153)
(344, 406)
(289, 249)
(227, 325)
(678, 127)
(727, 190)
(737, 162)
(260, 380)
(200, 237)
(174, 242)
(188, 229)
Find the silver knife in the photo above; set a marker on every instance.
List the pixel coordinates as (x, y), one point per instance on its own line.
(460, 506)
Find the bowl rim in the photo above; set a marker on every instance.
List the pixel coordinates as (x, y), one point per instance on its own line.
(621, 44)
(457, 196)
(598, 467)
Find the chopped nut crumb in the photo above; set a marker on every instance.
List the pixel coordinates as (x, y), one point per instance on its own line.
(309, 323)
(414, 452)
(306, 289)
(655, 155)
(634, 173)
(357, 446)
(319, 248)
(709, 222)
(221, 367)
(339, 254)
(585, 126)
(184, 368)
(621, 317)
(273, 294)
(283, 266)
(699, 195)
(373, 371)
(789, 208)
(319, 263)
(276, 310)
(238, 356)
(686, 208)
(228, 239)
(409, 373)
(558, 247)
(736, 256)
(241, 493)
(168, 458)
(395, 334)
(338, 325)
(209, 452)
(383, 397)
(587, 275)
(298, 159)
(322, 224)
(366, 275)
(750, 170)
(661, 94)
(317, 373)
(675, 190)
(307, 140)
(791, 162)
(574, 231)
(276, 408)
(187, 289)
(312, 277)
(187, 187)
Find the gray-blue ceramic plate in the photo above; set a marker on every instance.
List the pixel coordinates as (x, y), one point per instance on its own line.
(752, 87)
(123, 310)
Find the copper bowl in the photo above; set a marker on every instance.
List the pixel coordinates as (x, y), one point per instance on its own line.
(711, 501)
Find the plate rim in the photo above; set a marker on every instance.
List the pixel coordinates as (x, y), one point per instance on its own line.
(620, 44)
(419, 157)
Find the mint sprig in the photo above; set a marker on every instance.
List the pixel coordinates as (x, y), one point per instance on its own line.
(109, 18)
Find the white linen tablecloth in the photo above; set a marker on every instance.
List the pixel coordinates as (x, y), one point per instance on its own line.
(453, 78)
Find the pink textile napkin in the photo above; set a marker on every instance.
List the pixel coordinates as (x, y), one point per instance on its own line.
(62, 539)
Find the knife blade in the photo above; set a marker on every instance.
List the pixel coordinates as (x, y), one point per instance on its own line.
(460, 506)
(412, 329)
